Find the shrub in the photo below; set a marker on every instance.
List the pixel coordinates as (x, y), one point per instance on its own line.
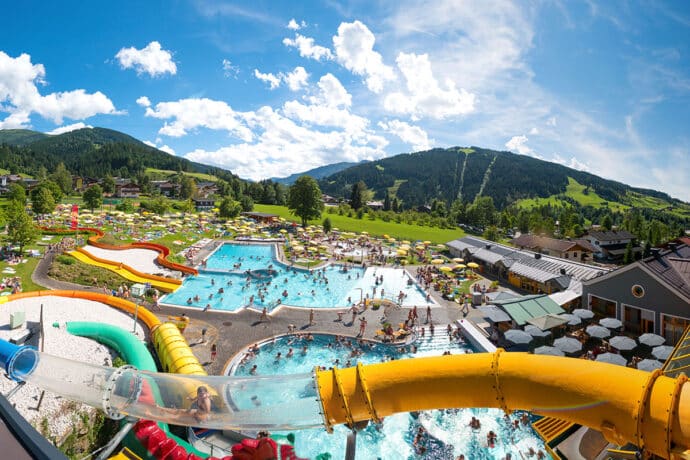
(66, 260)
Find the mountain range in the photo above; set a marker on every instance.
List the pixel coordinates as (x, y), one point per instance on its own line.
(317, 173)
(415, 179)
(465, 173)
(93, 152)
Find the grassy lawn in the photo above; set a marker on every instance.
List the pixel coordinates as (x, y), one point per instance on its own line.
(24, 271)
(374, 227)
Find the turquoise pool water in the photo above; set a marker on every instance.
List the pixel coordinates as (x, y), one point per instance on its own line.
(225, 283)
(447, 432)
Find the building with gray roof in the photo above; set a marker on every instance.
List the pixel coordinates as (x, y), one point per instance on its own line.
(650, 295)
(527, 270)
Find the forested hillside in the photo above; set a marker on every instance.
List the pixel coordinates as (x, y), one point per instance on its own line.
(93, 152)
(462, 173)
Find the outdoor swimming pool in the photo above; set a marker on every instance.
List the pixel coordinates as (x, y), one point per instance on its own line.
(448, 433)
(225, 284)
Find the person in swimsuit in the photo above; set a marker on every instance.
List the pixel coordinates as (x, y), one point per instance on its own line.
(201, 407)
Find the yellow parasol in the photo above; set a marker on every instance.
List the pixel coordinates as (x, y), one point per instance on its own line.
(445, 269)
(459, 266)
(473, 265)
(458, 260)
(437, 261)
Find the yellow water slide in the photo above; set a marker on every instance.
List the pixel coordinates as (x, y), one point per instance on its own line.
(127, 272)
(627, 405)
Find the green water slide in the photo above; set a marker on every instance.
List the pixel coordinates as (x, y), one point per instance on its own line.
(135, 353)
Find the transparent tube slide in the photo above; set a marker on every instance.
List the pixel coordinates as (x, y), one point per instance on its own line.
(286, 403)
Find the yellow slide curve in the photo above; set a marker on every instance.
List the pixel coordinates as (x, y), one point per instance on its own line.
(165, 285)
(627, 405)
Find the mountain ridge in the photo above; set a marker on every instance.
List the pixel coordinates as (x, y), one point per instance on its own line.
(418, 178)
(90, 152)
(317, 173)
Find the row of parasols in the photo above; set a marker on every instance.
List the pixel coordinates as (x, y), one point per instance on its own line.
(570, 346)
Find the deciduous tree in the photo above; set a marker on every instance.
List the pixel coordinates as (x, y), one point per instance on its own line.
(93, 197)
(304, 199)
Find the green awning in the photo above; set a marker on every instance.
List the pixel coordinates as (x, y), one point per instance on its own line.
(524, 308)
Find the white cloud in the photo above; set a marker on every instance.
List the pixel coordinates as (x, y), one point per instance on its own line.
(551, 122)
(424, 96)
(190, 114)
(572, 163)
(295, 80)
(534, 131)
(519, 144)
(144, 101)
(162, 148)
(284, 147)
(68, 128)
(230, 70)
(300, 135)
(354, 49)
(481, 45)
(269, 78)
(331, 93)
(413, 135)
(294, 25)
(19, 96)
(328, 107)
(307, 49)
(152, 60)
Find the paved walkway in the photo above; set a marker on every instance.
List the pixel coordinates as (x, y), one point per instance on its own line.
(231, 332)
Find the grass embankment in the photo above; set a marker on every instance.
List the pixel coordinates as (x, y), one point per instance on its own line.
(66, 268)
(374, 227)
(576, 191)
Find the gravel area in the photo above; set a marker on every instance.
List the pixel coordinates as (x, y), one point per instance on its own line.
(56, 410)
(143, 260)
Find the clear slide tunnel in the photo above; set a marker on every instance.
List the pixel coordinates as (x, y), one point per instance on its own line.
(626, 405)
(235, 402)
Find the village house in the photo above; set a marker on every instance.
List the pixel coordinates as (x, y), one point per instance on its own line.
(578, 249)
(611, 245)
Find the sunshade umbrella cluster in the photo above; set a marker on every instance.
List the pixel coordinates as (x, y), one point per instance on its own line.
(517, 336)
(546, 350)
(572, 319)
(612, 358)
(568, 345)
(662, 352)
(583, 314)
(649, 365)
(599, 332)
(651, 340)
(622, 343)
(611, 323)
(534, 331)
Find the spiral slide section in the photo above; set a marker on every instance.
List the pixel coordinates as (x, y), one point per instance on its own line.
(97, 234)
(127, 272)
(135, 353)
(171, 347)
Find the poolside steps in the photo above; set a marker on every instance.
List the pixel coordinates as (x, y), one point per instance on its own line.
(435, 344)
(551, 428)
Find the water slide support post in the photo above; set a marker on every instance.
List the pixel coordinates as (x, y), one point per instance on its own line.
(115, 441)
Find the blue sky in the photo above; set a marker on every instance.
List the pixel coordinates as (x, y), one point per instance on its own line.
(270, 88)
